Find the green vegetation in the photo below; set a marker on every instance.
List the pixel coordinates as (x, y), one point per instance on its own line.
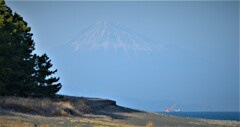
(22, 73)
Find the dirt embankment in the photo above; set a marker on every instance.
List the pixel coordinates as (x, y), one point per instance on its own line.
(67, 111)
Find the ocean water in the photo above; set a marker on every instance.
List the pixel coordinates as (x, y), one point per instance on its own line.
(208, 115)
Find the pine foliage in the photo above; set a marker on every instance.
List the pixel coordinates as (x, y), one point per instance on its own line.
(22, 73)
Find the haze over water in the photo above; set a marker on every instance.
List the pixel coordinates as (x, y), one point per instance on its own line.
(158, 54)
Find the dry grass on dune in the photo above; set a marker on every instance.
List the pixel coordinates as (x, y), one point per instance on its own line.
(53, 107)
(94, 113)
(44, 106)
(72, 122)
(13, 123)
(150, 124)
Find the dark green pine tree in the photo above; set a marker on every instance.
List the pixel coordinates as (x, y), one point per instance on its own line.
(22, 73)
(16, 59)
(46, 85)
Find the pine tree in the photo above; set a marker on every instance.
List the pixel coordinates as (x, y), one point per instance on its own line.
(16, 59)
(22, 73)
(45, 84)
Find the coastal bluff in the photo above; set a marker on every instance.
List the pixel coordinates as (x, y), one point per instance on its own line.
(70, 111)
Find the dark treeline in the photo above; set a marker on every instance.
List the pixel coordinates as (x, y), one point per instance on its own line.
(22, 73)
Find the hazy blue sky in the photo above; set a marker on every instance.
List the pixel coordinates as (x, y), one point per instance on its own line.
(199, 70)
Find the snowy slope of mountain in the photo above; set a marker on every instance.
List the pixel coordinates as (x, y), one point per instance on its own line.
(109, 35)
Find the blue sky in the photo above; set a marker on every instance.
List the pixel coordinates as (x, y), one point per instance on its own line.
(199, 70)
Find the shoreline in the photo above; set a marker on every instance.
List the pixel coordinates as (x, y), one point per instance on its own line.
(214, 115)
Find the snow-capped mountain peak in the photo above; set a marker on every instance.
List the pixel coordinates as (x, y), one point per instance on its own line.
(109, 35)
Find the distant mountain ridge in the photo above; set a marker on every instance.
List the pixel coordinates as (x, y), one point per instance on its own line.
(108, 35)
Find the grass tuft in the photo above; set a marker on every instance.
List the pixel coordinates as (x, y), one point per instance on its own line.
(44, 106)
(150, 124)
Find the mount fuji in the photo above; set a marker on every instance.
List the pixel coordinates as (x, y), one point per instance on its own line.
(107, 35)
